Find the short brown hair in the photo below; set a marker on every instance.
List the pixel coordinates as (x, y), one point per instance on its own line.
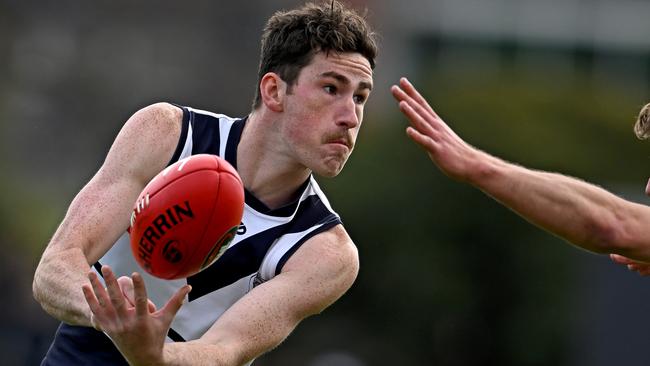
(292, 38)
(642, 126)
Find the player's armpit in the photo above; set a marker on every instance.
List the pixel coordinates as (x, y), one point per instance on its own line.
(320, 272)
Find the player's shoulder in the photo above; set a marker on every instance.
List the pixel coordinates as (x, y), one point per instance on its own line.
(329, 258)
(146, 141)
(160, 112)
(334, 248)
(154, 121)
(157, 123)
(338, 241)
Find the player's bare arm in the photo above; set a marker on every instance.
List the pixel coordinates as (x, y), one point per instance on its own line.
(584, 214)
(320, 272)
(99, 213)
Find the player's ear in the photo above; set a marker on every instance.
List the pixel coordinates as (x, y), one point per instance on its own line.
(273, 89)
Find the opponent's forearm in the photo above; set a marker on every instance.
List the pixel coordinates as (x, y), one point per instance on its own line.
(584, 214)
(57, 286)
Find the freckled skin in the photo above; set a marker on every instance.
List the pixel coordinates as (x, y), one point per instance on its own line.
(313, 128)
(315, 116)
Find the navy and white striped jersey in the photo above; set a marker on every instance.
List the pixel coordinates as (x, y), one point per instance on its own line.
(266, 239)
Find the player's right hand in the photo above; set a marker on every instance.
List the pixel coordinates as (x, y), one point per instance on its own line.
(447, 150)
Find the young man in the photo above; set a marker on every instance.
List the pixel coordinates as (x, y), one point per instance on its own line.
(291, 258)
(582, 213)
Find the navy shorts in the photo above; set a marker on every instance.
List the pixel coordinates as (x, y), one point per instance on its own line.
(75, 345)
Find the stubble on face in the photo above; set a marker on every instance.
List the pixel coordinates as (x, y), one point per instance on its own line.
(324, 125)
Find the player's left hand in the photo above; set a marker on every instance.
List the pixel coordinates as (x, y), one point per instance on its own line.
(137, 329)
(641, 268)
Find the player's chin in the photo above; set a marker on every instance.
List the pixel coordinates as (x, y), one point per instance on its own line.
(331, 167)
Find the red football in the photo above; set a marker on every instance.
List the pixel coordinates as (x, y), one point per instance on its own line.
(185, 218)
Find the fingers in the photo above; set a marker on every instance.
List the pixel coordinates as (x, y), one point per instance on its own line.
(620, 259)
(423, 140)
(641, 268)
(416, 109)
(418, 121)
(403, 97)
(126, 284)
(114, 291)
(94, 305)
(413, 93)
(140, 294)
(175, 302)
(98, 289)
(407, 92)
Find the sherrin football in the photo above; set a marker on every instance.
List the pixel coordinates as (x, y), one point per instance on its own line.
(186, 217)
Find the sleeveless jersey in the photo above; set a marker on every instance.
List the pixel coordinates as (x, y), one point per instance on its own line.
(266, 239)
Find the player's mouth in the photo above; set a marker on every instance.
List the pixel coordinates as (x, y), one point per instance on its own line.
(344, 141)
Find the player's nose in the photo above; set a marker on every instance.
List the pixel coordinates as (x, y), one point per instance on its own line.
(349, 116)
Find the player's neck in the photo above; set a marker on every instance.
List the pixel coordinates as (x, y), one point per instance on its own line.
(267, 171)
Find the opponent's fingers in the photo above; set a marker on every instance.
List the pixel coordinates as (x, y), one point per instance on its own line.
(398, 93)
(98, 289)
(401, 96)
(416, 119)
(175, 302)
(423, 140)
(415, 94)
(140, 293)
(114, 290)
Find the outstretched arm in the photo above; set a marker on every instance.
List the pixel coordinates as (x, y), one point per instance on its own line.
(582, 213)
(318, 273)
(99, 213)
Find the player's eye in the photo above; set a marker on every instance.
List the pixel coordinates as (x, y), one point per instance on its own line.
(360, 98)
(330, 89)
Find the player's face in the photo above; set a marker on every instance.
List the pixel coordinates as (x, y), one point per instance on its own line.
(325, 109)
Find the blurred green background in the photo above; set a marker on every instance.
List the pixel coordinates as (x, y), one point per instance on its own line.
(448, 276)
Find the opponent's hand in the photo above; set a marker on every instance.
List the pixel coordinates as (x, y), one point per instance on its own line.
(449, 152)
(137, 329)
(641, 268)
